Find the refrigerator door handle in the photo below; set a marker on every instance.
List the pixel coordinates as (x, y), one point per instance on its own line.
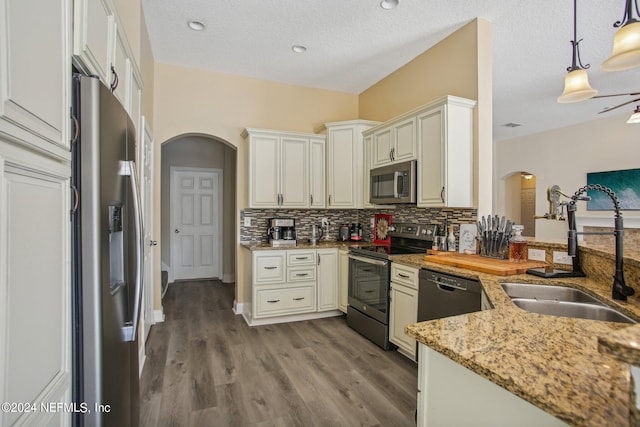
(131, 328)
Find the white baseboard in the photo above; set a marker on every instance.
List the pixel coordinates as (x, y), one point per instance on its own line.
(142, 357)
(238, 307)
(228, 278)
(289, 318)
(158, 316)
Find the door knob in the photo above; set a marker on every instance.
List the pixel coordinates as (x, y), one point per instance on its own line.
(153, 243)
(176, 231)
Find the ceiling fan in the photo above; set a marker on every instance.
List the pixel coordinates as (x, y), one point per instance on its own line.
(607, 109)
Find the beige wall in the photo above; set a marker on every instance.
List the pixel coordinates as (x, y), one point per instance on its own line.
(189, 101)
(563, 157)
(459, 65)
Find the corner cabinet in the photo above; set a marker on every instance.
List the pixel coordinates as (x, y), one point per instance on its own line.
(445, 146)
(286, 169)
(403, 308)
(346, 163)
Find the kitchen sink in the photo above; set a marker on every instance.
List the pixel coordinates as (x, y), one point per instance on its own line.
(548, 292)
(562, 301)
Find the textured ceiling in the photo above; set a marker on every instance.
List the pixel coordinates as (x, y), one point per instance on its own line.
(352, 44)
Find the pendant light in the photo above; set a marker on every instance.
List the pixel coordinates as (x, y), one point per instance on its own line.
(626, 43)
(635, 117)
(576, 83)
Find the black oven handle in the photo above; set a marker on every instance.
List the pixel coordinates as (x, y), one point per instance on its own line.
(369, 260)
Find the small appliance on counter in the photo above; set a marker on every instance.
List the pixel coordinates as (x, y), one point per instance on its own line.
(282, 231)
(355, 232)
(344, 233)
(316, 234)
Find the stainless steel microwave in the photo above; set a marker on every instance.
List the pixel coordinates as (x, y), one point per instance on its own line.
(394, 183)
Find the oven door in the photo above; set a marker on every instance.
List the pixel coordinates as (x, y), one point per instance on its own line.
(369, 286)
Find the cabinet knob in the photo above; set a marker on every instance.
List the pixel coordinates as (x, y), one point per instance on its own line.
(176, 231)
(153, 243)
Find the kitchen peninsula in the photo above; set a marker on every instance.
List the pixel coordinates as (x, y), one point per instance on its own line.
(575, 370)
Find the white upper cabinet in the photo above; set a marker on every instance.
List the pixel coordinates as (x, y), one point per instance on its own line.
(317, 174)
(394, 142)
(445, 165)
(345, 163)
(101, 48)
(34, 73)
(93, 37)
(283, 169)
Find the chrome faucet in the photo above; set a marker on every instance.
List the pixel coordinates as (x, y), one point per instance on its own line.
(620, 290)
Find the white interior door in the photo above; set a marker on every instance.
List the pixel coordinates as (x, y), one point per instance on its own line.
(196, 200)
(146, 181)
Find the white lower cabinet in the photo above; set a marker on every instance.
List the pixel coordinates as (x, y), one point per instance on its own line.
(403, 307)
(327, 279)
(343, 280)
(294, 281)
(443, 384)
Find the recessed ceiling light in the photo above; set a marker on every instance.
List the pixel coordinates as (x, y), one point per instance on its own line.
(196, 25)
(298, 48)
(389, 4)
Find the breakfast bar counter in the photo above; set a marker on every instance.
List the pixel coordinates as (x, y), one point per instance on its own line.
(576, 370)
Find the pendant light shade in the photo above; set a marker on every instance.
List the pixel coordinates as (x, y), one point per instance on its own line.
(626, 49)
(635, 117)
(576, 82)
(576, 87)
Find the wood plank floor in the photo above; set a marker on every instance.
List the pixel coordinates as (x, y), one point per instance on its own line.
(206, 367)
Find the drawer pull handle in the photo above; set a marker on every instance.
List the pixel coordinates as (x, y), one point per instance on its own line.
(302, 257)
(302, 274)
(368, 292)
(298, 299)
(404, 276)
(270, 268)
(273, 301)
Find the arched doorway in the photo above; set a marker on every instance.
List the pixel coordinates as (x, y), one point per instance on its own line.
(520, 200)
(212, 161)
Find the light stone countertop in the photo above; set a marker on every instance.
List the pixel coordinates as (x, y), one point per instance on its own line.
(303, 244)
(551, 362)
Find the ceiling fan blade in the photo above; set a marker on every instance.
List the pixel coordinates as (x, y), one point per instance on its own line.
(617, 94)
(606, 110)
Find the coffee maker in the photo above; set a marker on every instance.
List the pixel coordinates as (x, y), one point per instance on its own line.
(282, 231)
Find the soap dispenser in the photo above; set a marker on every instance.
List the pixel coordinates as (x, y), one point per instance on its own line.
(451, 240)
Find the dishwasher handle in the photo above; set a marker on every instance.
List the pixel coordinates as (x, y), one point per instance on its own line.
(450, 287)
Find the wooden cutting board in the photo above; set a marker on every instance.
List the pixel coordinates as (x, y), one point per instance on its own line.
(482, 264)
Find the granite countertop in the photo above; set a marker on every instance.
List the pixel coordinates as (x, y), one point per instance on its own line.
(577, 370)
(303, 244)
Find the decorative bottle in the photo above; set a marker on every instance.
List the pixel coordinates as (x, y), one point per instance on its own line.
(518, 250)
(451, 240)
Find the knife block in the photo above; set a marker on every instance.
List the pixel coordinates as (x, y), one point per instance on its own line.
(492, 251)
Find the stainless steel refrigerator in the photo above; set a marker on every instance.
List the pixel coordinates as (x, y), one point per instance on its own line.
(107, 259)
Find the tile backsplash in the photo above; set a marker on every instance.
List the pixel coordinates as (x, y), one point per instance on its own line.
(306, 217)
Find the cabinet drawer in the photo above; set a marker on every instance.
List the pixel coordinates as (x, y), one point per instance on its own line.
(269, 267)
(295, 258)
(301, 274)
(276, 302)
(405, 275)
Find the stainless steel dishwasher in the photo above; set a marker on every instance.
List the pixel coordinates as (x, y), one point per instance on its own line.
(444, 295)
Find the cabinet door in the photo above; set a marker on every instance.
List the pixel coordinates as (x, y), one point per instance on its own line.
(431, 182)
(294, 172)
(35, 286)
(120, 76)
(366, 168)
(35, 73)
(269, 267)
(343, 280)
(405, 140)
(317, 179)
(342, 163)
(264, 171)
(327, 283)
(93, 26)
(381, 147)
(403, 311)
